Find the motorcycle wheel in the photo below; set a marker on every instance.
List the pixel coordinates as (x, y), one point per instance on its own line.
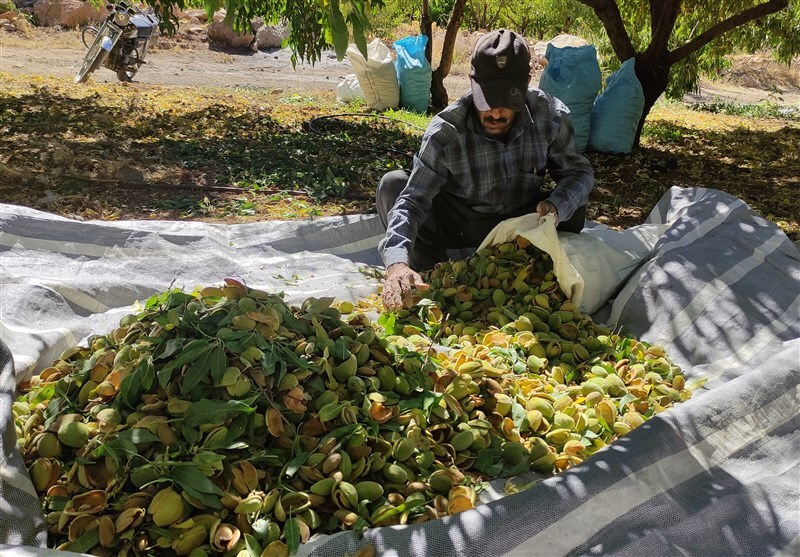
(89, 33)
(126, 74)
(92, 60)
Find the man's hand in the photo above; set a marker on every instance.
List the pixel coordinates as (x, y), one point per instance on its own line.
(547, 208)
(397, 288)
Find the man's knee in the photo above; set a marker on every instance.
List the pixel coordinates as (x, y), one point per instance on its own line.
(388, 191)
(575, 223)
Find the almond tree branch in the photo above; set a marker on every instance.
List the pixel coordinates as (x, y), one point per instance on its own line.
(751, 14)
(608, 13)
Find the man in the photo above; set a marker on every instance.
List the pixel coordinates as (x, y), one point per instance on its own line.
(482, 160)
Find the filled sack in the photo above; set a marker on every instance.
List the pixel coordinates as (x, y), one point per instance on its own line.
(413, 73)
(349, 89)
(572, 75)
(590, 266)
(376, 74)
(616, 112)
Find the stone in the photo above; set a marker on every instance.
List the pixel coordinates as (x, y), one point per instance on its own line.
(67, 13)
(222, 34)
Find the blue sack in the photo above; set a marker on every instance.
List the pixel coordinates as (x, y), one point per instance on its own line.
(616, 112)
(572, 75)
(413, 73)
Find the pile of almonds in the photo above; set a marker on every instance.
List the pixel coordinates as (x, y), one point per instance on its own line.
(224, 421)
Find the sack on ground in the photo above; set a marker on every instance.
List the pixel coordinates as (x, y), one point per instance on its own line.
(616, 112)
(413, 73)
(541, 232)
(605, 258)
(349, 89)
(376, 74)
(590, 266)
(573, 76)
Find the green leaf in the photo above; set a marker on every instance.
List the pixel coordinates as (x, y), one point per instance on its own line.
(85, 542)
(233, 440)
(45, 393)
(253, 547)
(193, 350)
(168, 348)
(358, 34)
(319, 331)
(387, 321)
(339, 350)
(489, 462)
(219, 362)
(407, 506)
(216, 411)
(294, 465)
(190, 434)
(424, 401)
(625, 400)
(331, 411)
(198, 370)
(295, 324)
(518, 414)
(317, 305)
(164, 375)
(190, 478)
(137, 435)
(292, 533)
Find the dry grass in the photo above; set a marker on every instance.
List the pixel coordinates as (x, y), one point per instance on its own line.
(763, 72)
(28, 35)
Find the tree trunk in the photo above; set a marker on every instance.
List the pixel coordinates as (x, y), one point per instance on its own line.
(439, 98)
(653, 74)
(426, 28)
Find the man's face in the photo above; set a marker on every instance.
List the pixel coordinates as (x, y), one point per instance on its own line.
(497, 121)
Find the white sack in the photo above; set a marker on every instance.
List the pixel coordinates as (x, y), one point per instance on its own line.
(349, 89)
(590, 266)
(541, 232)
(376, 74)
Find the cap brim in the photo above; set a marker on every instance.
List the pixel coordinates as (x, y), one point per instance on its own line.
(500, 93)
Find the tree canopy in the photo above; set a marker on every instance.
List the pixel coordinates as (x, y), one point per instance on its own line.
(673, 41)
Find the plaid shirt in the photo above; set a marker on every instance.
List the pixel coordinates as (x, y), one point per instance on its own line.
(490, 175)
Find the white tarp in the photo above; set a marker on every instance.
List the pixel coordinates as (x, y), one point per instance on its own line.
(717, 475)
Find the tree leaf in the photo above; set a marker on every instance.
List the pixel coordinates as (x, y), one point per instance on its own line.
(186, 473)
(253, 547)
(292, 533)
(198, 370)
(168, 348)
(85, 542)
(358, 36)
(193, 350)
(294, 465)
(137, 435)
(215, 411)
(164, 375)
(219, 362)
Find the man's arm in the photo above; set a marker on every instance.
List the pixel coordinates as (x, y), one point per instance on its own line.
(571, 171)
(408, 214)
(414, 203)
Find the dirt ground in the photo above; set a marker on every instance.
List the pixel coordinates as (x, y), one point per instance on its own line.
(187, 60)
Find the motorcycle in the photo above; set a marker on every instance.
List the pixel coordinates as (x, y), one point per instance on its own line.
(120, 44)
